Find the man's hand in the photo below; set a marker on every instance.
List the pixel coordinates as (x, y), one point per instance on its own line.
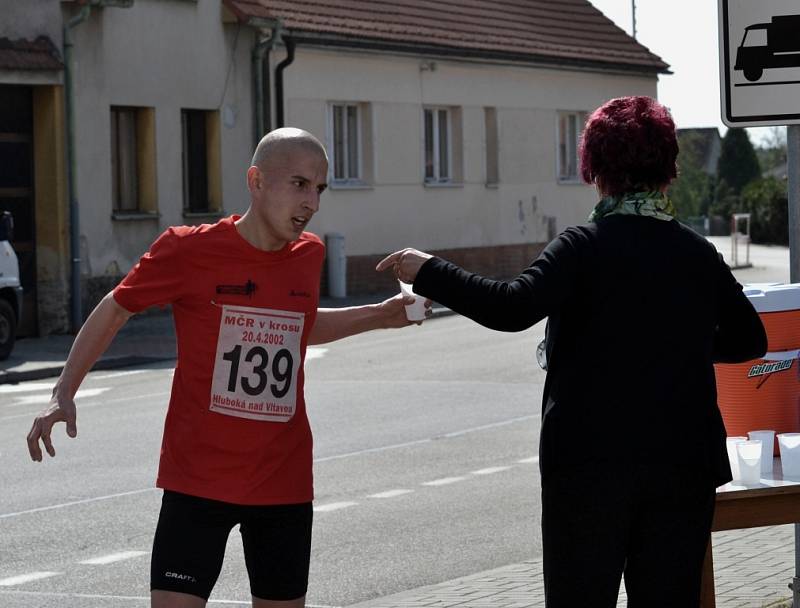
(91, 342)
(393, 311)
(337, 323)
(60, 410)
(405, 263)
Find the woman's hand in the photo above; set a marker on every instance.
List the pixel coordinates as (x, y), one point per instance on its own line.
(405, 263)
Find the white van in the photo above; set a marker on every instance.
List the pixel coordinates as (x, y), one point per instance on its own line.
(10, 287)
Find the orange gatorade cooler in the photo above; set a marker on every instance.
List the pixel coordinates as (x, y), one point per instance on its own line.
(765, 393)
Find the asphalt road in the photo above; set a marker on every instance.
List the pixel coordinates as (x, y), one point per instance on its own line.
(425, 449)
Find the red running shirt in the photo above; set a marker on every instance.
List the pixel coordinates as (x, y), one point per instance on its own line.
(236, 428)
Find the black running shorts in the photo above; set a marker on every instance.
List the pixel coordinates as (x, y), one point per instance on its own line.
(190, 541)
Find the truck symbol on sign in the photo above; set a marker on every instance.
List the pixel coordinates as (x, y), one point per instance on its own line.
(769, 45)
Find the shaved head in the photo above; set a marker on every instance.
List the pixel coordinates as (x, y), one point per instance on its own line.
(282, 142)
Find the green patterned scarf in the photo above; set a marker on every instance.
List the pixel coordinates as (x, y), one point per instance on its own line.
(649, 204)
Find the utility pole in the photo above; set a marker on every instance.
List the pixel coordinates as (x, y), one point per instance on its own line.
(633, 14)
(793, 148)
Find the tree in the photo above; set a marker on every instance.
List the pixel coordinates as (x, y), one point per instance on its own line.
(726, 201)
(772, 151)
(738, 163)
(691, 191)
(738, 166)
(767, 201)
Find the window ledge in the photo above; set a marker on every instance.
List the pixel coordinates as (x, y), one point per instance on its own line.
(435, 185)
(135, 216)
(195, 215)
(354, 185)
(492, 185)
(570, 181)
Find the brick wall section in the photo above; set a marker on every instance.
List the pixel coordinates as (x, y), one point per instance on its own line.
(501, 262)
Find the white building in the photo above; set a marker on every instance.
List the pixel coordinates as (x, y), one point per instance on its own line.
(451, 130)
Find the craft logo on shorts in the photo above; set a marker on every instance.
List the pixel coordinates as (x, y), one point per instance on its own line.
(762, 369)
(181, 577)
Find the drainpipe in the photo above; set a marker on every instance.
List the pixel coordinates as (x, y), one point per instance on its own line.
(76, 315)
(290, 44)
(268, 34)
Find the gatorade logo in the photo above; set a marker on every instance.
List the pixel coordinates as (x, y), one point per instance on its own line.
(762, 369)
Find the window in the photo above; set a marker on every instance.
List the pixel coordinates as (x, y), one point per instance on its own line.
(346, 153)
(438, 145)
(133, 160)
(202, 183)
(569, 130)
(349, 136)
(492, 169)
(123, 160)
(755, 37)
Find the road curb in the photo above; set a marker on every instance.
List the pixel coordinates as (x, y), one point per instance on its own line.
(52, 371)
(442, 312)
(114, 362)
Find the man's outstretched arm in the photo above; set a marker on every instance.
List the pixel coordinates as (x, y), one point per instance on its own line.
(91, 342)
(337, 323)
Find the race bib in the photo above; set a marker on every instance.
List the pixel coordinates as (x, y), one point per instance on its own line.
(255, 369)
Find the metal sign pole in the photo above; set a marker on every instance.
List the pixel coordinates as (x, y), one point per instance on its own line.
(793, 158)
(755, 37)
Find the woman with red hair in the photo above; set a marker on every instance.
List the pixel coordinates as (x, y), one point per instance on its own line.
(639, 307)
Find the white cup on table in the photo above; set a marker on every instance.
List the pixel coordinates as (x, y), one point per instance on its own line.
(789, 444)
(733, 458)
(767, 439)
(749, 457)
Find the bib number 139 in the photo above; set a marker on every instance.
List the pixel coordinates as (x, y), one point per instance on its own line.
(255, 384)
(256, 363)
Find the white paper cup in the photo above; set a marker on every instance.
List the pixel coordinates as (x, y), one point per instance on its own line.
(789, 445)
(767, 439)
(749, 456)
(415, 311)
(730, 443)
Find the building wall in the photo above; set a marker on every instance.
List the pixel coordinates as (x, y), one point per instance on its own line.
(167, 56)
(44, 303)
(399, 210)
(27, 21)
(30, 19)
(172, 55)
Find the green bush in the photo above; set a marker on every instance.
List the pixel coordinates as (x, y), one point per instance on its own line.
(692, 191)
(767, 202)
(726, 201)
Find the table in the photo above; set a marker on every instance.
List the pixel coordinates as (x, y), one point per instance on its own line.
(774, 501)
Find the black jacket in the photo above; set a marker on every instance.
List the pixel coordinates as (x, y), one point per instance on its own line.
(639, 310)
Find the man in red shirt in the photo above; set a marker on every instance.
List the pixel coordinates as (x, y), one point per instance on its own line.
(237, 446)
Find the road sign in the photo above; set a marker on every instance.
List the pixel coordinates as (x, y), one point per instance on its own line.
(759, 62)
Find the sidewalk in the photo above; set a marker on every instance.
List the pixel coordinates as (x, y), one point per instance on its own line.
(752, 570)
(770, 263)
(146, 338)
(753, 567)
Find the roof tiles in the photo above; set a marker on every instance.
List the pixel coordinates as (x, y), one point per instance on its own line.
(39, 54)
(571, 31)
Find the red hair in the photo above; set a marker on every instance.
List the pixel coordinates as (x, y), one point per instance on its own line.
(629, 145)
